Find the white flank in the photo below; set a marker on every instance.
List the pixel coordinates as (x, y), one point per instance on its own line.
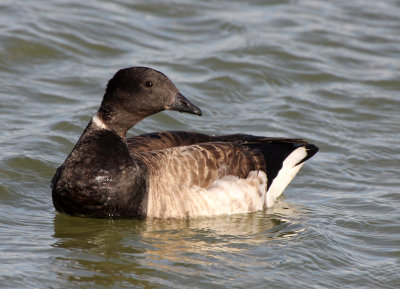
(99, 123)
(229, 195)
(285, 175)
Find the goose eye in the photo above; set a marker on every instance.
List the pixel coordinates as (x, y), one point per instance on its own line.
(149, 83)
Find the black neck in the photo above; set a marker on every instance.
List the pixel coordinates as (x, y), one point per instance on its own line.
(119, 122)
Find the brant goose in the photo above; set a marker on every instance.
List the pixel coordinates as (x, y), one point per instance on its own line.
(171, 174)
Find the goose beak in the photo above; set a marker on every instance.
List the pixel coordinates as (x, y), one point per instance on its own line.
(182, 104)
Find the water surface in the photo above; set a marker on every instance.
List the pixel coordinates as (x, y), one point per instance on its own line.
(325, 72)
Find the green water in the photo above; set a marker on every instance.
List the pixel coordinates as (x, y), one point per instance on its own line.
(328, 72)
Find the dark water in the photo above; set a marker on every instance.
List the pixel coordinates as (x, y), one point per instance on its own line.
(326, 72)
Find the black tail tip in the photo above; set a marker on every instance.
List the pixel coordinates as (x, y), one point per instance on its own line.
(311, 151)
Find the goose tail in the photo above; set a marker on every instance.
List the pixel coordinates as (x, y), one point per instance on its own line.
(283, 159)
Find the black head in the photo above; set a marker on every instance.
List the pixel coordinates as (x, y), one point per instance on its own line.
(137, 92)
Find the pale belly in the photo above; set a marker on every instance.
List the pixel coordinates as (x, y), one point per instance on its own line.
(228, 195)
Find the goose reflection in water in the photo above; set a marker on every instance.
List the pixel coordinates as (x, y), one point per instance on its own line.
(105, 247)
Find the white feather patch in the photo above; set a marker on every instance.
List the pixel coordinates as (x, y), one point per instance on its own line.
(99, 123)
(285, 175)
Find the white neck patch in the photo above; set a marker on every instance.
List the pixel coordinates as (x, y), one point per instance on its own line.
(99, 123)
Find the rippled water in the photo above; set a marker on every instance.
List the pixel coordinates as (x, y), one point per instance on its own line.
(326, 72)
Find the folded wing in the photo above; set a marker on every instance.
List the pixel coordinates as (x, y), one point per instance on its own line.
(192, 174)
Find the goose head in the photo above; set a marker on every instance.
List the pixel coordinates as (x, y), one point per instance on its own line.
(137, 92)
